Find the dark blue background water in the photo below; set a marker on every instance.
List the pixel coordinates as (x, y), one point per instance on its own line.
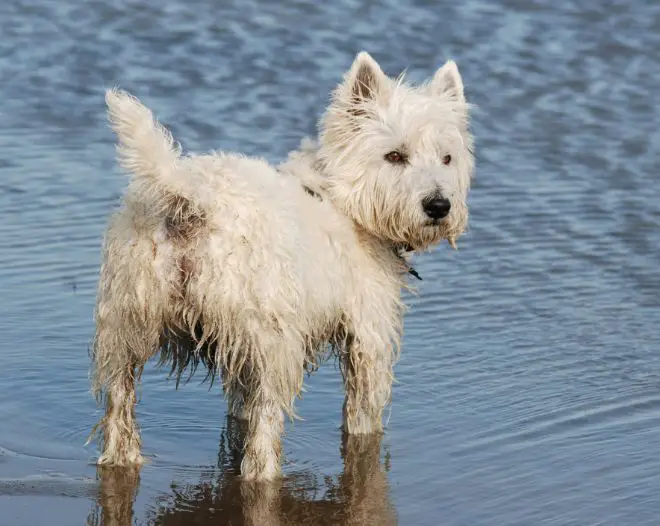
(529, 387)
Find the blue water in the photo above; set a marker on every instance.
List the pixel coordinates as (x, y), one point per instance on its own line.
(529, 386)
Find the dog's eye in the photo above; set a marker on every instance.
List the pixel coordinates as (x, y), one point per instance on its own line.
(446, 159)
(395, 157)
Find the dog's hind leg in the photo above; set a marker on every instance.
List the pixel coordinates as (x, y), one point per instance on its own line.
(121, 438)
(235, 394)
(274, 380)
(261, 460)
(117, 369)
(128, 328)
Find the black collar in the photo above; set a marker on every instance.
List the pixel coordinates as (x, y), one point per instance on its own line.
(311, 192)
(411, 270)
(399, 250)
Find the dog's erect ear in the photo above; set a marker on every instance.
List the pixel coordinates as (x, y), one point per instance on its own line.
(365, 77)
(448, 80)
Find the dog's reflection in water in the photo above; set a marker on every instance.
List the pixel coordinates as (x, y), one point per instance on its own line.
(358, 496)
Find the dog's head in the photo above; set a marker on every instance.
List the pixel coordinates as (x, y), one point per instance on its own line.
(398, 157)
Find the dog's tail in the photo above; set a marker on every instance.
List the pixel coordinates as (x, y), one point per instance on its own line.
(145, 148)
(148, 151)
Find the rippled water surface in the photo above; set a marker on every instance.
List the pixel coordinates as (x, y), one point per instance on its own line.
(529, 386)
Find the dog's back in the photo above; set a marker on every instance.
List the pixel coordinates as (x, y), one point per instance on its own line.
(207, 227)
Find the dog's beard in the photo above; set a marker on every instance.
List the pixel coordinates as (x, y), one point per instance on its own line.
(426, 237)
(435, 232)
(405, 225)
(427, 233)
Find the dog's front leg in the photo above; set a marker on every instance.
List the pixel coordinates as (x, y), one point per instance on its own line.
(367, 370)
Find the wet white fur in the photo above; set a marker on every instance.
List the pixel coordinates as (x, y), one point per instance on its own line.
(273, 274)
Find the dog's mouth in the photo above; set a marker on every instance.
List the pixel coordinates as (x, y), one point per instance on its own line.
(435, 222)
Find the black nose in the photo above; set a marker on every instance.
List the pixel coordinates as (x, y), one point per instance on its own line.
(436, 207)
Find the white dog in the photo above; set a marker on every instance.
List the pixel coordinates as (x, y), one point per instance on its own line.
(258, 272)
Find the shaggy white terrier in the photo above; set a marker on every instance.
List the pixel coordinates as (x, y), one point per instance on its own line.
(258, 272)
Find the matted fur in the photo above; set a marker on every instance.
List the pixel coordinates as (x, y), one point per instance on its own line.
(257, 272)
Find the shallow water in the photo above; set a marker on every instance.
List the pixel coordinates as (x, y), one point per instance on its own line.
(529, 386)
